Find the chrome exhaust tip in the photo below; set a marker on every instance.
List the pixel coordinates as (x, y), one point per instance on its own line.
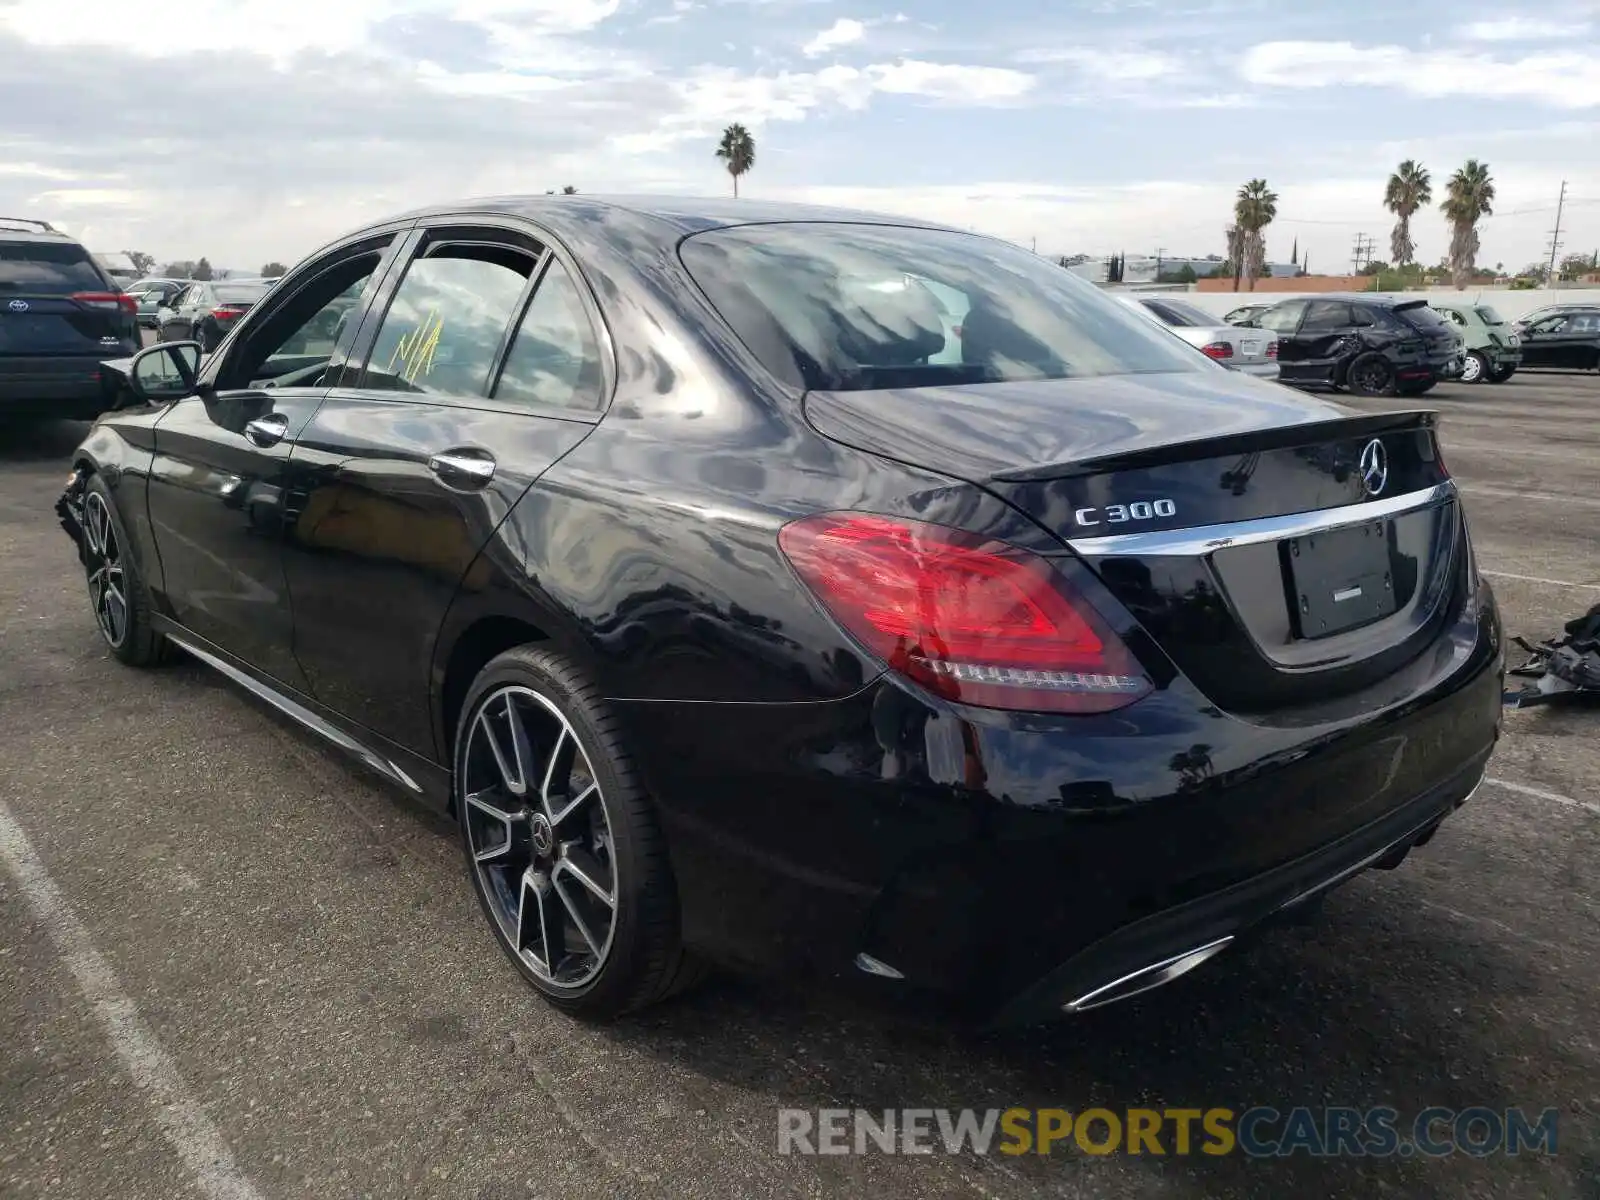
(1148, 978)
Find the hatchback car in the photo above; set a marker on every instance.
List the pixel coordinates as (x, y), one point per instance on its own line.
(1372, 345)
(647, 538)
(60, 315)
(1494, 352)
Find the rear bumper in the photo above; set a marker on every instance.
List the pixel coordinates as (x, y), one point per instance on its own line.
(1018, 863)
(69, 387)
(1266, 370)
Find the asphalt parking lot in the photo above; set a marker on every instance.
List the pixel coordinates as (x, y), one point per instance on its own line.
(198, 899)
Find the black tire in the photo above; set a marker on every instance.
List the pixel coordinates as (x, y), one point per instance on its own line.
(644, 960)
(132, 640)
(1370, 375)
(1475, 368)
(1501, 374)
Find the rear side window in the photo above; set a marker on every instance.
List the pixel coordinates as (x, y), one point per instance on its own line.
(239, 293)
(1186, 315)
(49, 268)
(555, 359)
(848, 307)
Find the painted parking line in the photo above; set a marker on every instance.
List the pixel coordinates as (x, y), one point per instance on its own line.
(1479, 489)
(180, 1116)
(1538, 579)
(1523, 789)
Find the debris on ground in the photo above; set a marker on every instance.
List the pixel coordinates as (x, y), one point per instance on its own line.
(1563, 668)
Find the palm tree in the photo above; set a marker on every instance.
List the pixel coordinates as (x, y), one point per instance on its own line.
(1409, 189)
(737, 150)
(1253, 211)
(1236, 254)
(1468, 196)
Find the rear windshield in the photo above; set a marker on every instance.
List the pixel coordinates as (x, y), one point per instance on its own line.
(51, 268)
(1488, 315)
(1192, 317)
(239, 293)
(846, 307)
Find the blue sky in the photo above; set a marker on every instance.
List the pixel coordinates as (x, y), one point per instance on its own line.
(1089, 127)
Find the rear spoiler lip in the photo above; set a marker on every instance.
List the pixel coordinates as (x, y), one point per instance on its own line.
(1276, 437)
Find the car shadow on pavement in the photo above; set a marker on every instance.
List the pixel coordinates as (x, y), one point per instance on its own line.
(1358, 1010)
(40, 441)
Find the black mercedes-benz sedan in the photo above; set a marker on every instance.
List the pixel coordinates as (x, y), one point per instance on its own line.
(798, 589)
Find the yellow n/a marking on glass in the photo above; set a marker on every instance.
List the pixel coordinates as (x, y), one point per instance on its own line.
(416, 349)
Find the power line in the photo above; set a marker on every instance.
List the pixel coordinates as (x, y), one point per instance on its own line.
(1362, 253)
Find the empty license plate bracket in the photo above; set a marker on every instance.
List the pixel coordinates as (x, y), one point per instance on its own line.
(1341, 579)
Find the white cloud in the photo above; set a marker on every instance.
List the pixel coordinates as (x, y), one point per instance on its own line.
(1523, 29)
(1560, 78)
(1117, 66)
(949, 81)
(842, 32)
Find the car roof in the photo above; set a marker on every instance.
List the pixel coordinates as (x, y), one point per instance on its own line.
(13, 229)
(674, 216)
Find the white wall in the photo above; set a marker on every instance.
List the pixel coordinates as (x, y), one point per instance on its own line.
(1507, 303)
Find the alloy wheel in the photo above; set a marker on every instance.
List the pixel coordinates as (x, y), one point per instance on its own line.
(539, 836)
(1370, 377)
(107, 578)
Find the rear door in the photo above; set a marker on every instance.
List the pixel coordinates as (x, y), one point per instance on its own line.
(484, 365)
(219, 494)
(1284, 320)
(56, 302)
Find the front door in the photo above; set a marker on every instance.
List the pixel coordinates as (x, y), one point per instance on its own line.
(219, 483)
(484, 369)
(1283, 320)
(1551, 341)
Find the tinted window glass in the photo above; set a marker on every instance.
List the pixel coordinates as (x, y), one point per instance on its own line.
(555, 359)
(1421, 316)
(48, 267)
(444, 326)
(239, 293)
(850, 307)
(1489, 317)
(1325, 316)
(1282, 318)
(1187, 314)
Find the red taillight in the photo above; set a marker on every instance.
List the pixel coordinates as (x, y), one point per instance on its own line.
(227, 312)
(980, 622)
(1217, 350)
(1272, 349)
(108, 301)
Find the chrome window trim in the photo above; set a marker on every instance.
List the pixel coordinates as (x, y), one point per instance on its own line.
(1204, 539)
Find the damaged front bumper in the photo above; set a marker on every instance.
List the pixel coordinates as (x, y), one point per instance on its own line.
(69, 508)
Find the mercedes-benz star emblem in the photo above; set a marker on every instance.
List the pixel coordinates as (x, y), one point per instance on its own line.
(544, 838)
(1374, 467)
(18, 306)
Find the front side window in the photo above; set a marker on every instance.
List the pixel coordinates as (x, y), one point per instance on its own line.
(858, 306)
(555, 358)
(294, 344)
(1489, 316)
(445, 325)
(1282, 318)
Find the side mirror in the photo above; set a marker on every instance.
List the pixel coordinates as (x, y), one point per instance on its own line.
(166, 371)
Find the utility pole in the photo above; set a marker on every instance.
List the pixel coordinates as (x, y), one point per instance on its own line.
(1034, 242)
(1555, 234)
(1160, 250)
(1362, 253)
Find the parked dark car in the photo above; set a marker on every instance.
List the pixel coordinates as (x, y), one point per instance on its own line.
(1372, 345)
(204, 312)
(1563, 337)
(60, 316)
(648, 538)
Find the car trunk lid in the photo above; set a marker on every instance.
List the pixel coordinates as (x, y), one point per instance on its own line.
(1278, 550)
